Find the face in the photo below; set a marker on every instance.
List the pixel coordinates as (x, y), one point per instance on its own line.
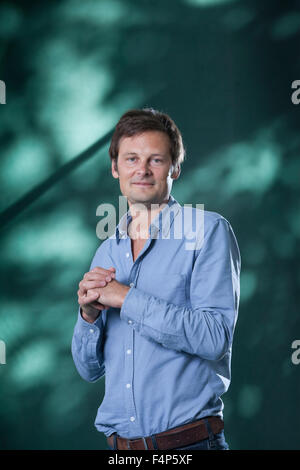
(145, 168)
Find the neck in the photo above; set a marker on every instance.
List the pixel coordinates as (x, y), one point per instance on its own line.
(142, 216)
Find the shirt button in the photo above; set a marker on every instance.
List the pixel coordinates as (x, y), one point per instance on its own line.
(127, 255)
(132, 418)
(131, 284)
(91, 330)
(129, 321)
(127, 385)
(128, 351)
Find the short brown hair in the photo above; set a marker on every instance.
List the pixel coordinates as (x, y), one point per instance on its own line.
(137, 121)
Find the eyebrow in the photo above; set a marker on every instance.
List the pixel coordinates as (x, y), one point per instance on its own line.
(151, 155)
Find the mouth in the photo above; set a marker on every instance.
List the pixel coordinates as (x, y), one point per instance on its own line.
(144, 184)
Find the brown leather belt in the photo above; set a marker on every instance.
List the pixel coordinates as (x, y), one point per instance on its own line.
(176, 437)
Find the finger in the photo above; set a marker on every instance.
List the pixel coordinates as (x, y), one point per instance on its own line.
(94, 276)
(87, 285)
(81, 289)
(98, 302)
(106, 272)
(90, 297)
(99, 278)
(113, 270)
(98, 269)
(98, 306)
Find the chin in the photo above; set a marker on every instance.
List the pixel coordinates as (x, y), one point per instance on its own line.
(142, 198)
(137, 199)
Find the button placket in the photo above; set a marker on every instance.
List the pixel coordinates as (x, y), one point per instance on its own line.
(129, 359)
(129, 341)
(129, 366)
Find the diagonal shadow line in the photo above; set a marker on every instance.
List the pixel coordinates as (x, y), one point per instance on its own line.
(17, 207)
(14, 209)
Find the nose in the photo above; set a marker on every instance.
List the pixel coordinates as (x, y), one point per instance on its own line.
(143, 169)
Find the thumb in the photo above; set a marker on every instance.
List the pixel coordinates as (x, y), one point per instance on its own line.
(113, 272)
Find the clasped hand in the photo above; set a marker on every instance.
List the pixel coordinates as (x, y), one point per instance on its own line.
(99, 290)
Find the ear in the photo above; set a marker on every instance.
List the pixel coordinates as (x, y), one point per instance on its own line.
(114, 168)
(175, 171)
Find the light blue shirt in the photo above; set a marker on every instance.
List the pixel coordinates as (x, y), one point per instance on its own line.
(166, 354)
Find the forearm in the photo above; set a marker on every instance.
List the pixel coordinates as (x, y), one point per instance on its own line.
(199, 331)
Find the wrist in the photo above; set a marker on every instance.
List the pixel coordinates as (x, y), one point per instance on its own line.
(89, 318)
(123, 294)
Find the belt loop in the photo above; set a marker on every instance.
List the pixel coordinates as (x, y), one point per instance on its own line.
(155, 446)
(211, 436)
(115, 441)
(145, 443)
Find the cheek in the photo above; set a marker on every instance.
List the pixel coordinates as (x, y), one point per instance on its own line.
(126, 172)
(125, 176)
(161, 176)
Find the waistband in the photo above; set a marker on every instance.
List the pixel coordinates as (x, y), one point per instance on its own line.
(176, 437)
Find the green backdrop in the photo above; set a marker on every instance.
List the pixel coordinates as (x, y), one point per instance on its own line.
(223, 70)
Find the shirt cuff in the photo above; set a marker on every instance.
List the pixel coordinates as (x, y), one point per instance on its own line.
(133, 306)
(83, 325)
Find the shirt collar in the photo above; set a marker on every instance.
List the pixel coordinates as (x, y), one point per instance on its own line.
(161, 223)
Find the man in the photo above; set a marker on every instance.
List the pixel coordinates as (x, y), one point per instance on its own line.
(157, 317)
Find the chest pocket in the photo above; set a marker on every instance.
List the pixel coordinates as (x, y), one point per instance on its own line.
(169, 287)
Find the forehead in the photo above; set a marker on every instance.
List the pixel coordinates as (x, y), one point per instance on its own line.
(147, 142)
